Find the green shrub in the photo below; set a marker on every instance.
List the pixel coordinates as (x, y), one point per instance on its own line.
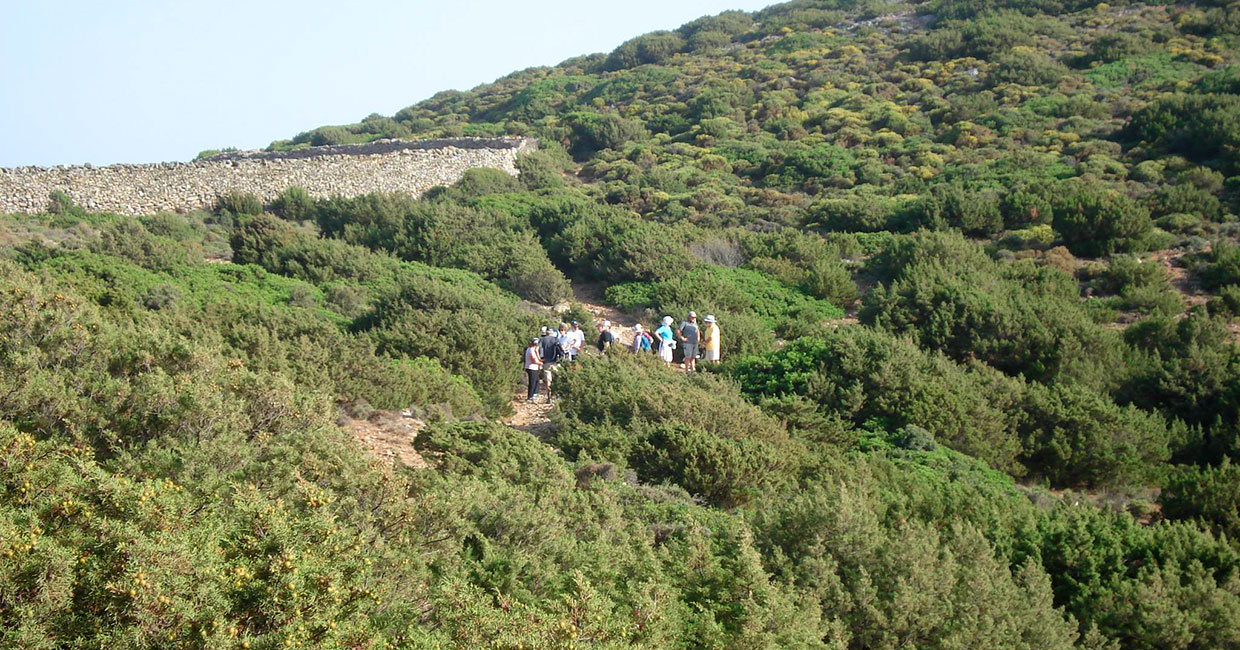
(1183, 224)
(540, 170)
(719, 290)
(860, 374)
(128, 239)
(830, 280)
(861, 213)
(1219, 267)
(293, 204)
(1185, 199)
(329, 135)
(1210, 494)
(239, 203)
(160, 297)
(445, 233)
(1027, 69)
(480, 182)
(1113, 47)
(173, 226)
(593, 132)
(1096, 221)
(1188, 369)
(60, 203)
(348, 300)
(1201, 127)
(490, 451)
(725, 473)
(651, 48)
(1019, 318)
(678, 437)
(1226, 303)
(1075, 437)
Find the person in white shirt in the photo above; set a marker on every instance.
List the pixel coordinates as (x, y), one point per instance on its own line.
(579, 341)
(565, 338)
(533, 368)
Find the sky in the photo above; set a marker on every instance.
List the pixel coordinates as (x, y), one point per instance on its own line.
(138, 81)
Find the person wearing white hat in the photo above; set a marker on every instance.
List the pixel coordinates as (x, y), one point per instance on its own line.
(605, 336)
(641, 339)
(710, 340)
(667, 340)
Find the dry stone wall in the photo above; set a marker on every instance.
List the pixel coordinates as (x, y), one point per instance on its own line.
(410, 166)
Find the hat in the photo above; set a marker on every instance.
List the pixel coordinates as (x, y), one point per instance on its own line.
(606, 323)
(637, 327)
(533, 341)
(575, 323)
(693, 314)
(667, 320)
(710, 318)
(543, 330)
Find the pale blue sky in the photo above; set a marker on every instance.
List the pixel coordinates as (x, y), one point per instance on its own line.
(145, 81)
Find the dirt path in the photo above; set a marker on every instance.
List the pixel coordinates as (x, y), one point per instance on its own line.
(535, 417)
(388, 436)
(531, 417)
(590, 296)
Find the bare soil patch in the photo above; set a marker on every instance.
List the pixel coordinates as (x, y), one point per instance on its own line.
(388, 436)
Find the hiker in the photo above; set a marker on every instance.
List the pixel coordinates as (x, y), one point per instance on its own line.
(710, 340)
(549, 345)
(667, 340)
(641, 339)
(565, 340)
(605, 336)
(579, 341)
(533, 368)
(689, 336)
(549, 350)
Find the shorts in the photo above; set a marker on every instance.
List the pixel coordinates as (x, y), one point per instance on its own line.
(712, 355)
(549, 370)
(690, 350)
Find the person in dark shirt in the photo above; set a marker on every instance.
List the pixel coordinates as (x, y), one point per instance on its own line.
(550, 351)
(549, 346)
(689, 336)
(605, 336)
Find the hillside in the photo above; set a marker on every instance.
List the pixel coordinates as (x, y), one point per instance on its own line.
(976, 270)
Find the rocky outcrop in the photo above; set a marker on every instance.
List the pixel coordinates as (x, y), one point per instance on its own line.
(410, 166)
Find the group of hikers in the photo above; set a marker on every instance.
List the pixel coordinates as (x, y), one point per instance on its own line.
(556, 345)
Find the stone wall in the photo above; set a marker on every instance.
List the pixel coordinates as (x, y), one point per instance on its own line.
(410, 166)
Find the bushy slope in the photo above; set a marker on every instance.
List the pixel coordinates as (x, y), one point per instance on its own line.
(843, 113)
(979, 187)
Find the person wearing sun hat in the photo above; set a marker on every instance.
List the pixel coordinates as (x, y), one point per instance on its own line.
(710, 340)
(641, 339)
(606, 337)
(667, 340)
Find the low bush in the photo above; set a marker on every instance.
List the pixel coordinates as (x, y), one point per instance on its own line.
(1209, 494)
(239, 203)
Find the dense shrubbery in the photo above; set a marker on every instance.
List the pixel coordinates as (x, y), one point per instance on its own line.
(444, 233)
(1019, 318)
(172, 473)
(1189, 369)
